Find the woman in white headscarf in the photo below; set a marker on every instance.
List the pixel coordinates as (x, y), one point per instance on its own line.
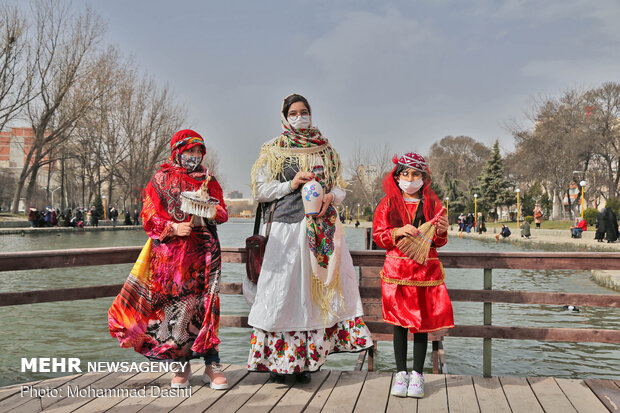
(307, 303)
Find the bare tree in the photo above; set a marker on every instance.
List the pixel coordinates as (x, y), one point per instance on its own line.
(365, 170)
(14, 73)
(64, 59)
(557, 145)
(459, 159)
(602, 121)
(148, 119)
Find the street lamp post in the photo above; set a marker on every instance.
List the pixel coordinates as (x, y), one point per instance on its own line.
(475, 208)
(105, 210)
(582, 184)
(346, 212)
(448, 209)
(358, 212)
(53, 196)
(517, 191)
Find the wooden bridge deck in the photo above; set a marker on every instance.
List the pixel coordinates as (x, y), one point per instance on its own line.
(329, 391)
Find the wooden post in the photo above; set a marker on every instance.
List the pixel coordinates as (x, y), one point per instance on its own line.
(371, 356)
(436, 369)
(486, 342)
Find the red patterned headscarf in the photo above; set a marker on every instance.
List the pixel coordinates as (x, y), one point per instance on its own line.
(161, 196)
(183, 140)
(431, 201)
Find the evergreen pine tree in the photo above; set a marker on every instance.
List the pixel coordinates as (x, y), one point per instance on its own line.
(494, 189)
(99, 206)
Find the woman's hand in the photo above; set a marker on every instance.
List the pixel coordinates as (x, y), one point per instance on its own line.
(182, 229)
(442, 224)
(327, 201)
(300, 179)
(408, 230)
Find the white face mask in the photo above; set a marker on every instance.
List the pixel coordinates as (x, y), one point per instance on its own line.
(410, 187)
(300, 122)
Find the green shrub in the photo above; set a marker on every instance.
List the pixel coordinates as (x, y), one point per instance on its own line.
(529, 219)
(589, 214)
(614, 204)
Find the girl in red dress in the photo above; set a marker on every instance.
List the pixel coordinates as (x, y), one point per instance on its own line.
(414, 296)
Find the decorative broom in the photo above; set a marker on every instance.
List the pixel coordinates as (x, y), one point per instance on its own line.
(418, 246)
(199, 203)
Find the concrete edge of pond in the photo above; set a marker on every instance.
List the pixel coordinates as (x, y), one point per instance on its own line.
(604, 278)
(48, 230)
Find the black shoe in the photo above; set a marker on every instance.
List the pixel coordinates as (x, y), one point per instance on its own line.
(277, 377)
(303, 377)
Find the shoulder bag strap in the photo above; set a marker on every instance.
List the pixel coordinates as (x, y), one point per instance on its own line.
(259, 212)
(270, 218)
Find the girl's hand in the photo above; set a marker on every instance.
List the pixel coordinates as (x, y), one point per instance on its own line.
(442, 224)
(182, 229)
(300, 179)
(327, 201)
(408, 230)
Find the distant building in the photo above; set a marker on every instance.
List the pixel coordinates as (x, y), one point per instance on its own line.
(368, 175)
(240, 207)
(14, 146)
(235, 195)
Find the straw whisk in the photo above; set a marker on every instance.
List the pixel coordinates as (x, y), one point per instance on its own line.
(417, 247)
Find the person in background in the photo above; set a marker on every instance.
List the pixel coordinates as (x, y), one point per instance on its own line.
(538, 215)
(136, 217)
(94, 216)
(113, 216)
(525, 229)
(504, 233)
(578, 227)
(599, 235)
(461, 222)
(32, 216)
(611, 225)
(481, 223)
(469, 222)
(127, 217)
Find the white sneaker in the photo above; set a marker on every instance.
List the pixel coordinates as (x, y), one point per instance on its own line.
(416, 385)
(399, 388)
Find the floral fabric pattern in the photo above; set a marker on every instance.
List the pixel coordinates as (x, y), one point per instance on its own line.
(320, 233)
(295, 351)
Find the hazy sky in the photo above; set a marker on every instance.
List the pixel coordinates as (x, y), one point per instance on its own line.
(403, 72)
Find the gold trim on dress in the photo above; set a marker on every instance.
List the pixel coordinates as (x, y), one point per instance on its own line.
(413, 283)
(398, 257)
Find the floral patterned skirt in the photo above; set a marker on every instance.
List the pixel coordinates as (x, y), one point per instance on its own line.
(295, 351)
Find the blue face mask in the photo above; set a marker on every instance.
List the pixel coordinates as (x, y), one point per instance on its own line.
(190, 162)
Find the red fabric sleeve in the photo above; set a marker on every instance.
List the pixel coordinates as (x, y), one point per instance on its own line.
(382, 232)
(215, 190)
(439, 240)
(156, 227)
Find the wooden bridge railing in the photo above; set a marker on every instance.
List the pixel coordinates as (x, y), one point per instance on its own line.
(369, 263)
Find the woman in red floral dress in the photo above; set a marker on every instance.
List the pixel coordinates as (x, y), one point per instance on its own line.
(414, 296)
(168, 309)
